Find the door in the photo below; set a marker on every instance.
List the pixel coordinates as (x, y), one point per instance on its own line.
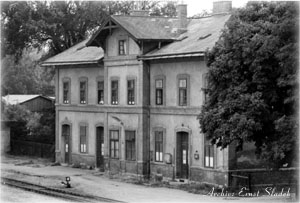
(66, 141)
(100, 148)
(182, 165)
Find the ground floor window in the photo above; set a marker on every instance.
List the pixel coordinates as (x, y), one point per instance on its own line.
(159, 146)
(209, 154)
(130, 145)
(114, 144)
(83, 139)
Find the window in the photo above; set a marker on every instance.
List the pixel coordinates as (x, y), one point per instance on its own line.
(66, 92)
(122, 47)
(208, 154)
(83, 139)
(114, 144)
(159, 92)
(182, 92)
(159, 146)
(100, 92)
(130, 92)
(205, 86)
(114, 92)
(83, 92)
(130, 145)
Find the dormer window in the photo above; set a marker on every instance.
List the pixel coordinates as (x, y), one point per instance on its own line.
(122, 47)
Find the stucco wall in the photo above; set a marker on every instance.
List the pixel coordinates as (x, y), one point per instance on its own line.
(74, 74)
(113, 43)
(193, 68)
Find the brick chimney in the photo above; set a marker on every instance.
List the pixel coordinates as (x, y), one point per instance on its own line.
(222, 7)
(182, 16)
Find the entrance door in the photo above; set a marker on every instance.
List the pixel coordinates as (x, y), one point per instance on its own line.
(67, 147)
(100, 148)
(182, 165)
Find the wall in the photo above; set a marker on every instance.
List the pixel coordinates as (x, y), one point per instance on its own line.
(5, 137)
(38, 104)
(173, 118)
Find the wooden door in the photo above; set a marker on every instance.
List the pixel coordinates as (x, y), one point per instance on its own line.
(182, 164)
(67, 147)
(100, 148)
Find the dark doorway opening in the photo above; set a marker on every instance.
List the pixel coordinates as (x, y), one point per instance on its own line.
(100, 148)
(66, 130)
(182, 164)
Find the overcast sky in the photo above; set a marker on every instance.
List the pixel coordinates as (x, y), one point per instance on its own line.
(196, 6)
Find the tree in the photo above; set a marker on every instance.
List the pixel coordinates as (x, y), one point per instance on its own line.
(253, 88)
(53, 26)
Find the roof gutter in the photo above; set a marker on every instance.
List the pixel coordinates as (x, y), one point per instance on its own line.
(174, 55)
(70, 63)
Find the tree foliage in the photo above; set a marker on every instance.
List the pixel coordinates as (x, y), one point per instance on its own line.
(30, 126)
(253, 88)
(52, 27)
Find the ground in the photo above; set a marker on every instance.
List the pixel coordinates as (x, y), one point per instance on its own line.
(96, 183)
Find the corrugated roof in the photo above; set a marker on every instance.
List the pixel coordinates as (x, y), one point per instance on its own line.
(77, 54)
(13, 99)
(201, 34)
(148, 27)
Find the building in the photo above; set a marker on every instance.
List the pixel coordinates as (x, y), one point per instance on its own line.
(35, 102)
(127, 99)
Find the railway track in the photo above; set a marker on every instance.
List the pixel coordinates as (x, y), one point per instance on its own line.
(54, 192)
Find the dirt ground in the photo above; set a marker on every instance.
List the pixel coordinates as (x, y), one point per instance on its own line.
(97, 183)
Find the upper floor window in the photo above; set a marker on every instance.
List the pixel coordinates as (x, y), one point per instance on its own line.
(159, 92)
(100, 92)
(83, 139)
(83, 91)
(205, 85)
(66, 92)
(208, 154)
(158, 146)
(182, 92)
(131, 92)
(114, 92)
(114, 144)
(122, 47)
(130, 145)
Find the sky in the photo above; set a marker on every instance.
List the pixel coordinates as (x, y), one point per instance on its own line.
(196, 6)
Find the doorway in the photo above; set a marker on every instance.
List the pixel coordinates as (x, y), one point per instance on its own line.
(182, 164)
(100, 148)
(66, 138)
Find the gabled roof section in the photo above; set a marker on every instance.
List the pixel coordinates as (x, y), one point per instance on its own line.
(77, 54)
(139, 28)
(202, 34)
(13, 99)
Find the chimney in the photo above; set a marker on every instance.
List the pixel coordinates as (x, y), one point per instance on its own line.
(182, 16)
(222, 7)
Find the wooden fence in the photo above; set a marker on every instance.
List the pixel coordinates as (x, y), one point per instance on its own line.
(29, 148)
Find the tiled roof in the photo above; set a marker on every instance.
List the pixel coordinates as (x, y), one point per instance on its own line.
(148, 27)
(77, 54)
(201, 34)
(20, 98)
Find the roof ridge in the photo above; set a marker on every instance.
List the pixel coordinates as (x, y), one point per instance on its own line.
(144, 16)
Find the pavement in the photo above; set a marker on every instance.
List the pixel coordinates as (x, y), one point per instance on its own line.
(93, 182)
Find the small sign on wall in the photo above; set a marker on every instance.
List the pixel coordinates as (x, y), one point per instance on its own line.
(168, 158)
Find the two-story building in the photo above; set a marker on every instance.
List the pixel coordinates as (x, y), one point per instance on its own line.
(127, 99)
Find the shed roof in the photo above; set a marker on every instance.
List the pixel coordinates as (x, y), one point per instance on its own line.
(201, 34)
(13, 99)
(77, 54)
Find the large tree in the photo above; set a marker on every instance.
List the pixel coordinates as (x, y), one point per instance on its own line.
(52, 26)
(253, 88)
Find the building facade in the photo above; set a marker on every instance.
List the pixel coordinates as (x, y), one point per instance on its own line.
(127, 99)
